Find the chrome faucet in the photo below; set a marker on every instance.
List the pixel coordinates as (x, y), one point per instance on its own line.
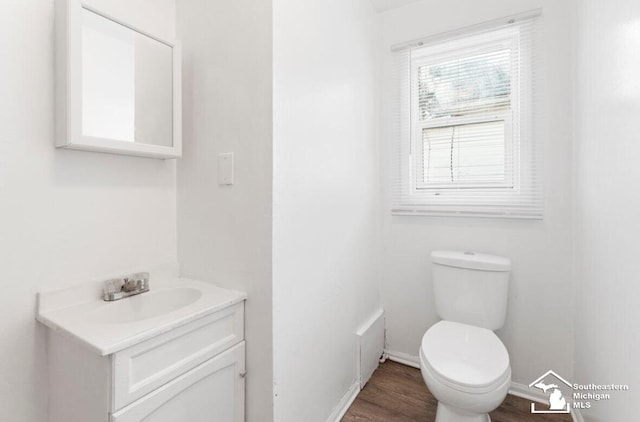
(130, 285)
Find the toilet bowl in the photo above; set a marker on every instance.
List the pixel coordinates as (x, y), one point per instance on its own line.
(467, 370)
(464, 364)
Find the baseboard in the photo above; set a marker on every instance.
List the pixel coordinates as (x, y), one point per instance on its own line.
(521, 390)
(345, 403)
(403, 358)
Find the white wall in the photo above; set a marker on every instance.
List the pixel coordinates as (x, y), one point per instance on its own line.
(325, 200)
(538, 330)
(65, 216)
(225, 232)
(607, 180)
(382, 5)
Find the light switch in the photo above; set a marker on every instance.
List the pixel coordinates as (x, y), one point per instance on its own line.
(225, 168)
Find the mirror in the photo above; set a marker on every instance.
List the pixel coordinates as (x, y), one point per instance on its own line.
(123, 87)
(126, 83)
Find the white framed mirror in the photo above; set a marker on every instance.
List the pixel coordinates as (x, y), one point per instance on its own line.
(118, 88)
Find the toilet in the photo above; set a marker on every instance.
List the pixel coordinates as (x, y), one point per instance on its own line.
(464, 364)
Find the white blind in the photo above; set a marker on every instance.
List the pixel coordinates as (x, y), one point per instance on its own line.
(466, 122)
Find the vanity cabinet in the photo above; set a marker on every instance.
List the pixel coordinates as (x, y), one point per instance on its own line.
(192, 372)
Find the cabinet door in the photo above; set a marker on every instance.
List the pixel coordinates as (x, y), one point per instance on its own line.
(210, 392)
(141, 369)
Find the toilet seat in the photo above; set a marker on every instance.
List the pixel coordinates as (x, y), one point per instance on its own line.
(465, 358)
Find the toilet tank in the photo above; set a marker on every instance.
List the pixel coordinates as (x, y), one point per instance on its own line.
(471, 288)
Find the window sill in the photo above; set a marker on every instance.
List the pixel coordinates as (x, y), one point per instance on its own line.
(498, 214)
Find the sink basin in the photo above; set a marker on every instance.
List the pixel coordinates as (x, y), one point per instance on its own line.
(144, 306)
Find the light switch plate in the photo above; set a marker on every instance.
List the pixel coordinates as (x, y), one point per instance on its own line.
(225, 168)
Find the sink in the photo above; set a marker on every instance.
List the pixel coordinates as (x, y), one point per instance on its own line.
(80, 313)
(144, 306)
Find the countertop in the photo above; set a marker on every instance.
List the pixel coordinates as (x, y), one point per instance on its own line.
(69, 311)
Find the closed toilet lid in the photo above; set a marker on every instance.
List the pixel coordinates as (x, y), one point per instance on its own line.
(465, 355)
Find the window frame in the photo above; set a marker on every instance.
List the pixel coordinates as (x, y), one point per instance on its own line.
(501, 39)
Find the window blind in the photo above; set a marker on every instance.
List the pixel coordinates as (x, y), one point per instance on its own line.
(466, 122)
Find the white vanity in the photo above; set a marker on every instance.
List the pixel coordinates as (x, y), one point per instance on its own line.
(173, 354)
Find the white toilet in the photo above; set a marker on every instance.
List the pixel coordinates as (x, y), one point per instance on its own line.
(464, 364)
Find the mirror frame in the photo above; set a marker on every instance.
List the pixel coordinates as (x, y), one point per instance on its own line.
(69, 88)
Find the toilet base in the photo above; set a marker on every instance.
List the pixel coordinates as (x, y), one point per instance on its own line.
(448, 414)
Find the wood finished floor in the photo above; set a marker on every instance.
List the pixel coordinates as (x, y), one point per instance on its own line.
(397, 393)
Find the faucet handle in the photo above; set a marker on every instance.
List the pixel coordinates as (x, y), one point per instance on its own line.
(141, 279)
(112, 289)
(113, 285)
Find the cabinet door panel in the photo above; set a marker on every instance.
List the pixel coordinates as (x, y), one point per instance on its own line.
(141, 369)
(211, 392)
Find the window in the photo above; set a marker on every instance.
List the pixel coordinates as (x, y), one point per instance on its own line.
(465, 132)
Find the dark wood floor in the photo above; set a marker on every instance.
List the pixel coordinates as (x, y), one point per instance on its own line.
(397, 393)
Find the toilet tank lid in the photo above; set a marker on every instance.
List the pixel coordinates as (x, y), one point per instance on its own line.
(471, 260)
